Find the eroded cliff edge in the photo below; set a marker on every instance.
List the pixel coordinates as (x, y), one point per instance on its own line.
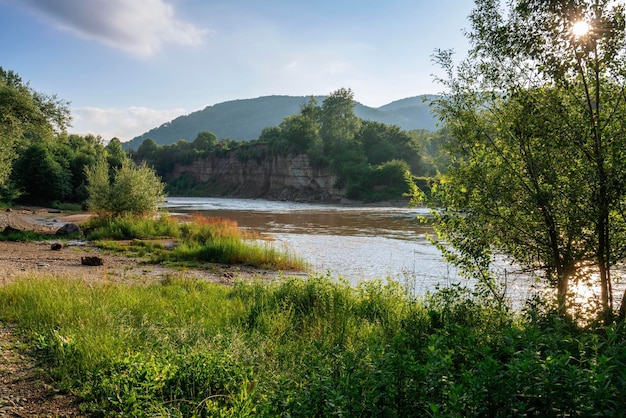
(281, 177)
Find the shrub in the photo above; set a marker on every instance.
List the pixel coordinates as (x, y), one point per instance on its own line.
(132, 190)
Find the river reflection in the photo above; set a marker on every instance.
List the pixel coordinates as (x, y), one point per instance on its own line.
(357, 243)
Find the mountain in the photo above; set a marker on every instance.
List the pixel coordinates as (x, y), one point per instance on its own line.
(245, 119)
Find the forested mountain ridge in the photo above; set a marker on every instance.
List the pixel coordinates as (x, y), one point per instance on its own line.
(245, 119)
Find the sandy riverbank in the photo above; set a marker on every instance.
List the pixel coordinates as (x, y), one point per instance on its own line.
(22, 259)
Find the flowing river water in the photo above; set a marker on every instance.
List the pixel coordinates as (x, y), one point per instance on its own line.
(355, 242)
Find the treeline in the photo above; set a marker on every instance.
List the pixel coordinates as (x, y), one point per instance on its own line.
(40, 163)
(372, 160)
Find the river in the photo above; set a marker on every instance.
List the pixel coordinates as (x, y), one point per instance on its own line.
(355, 242)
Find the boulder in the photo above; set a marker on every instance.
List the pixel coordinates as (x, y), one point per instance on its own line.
(69, 229)
(91, 261)
(9, 230)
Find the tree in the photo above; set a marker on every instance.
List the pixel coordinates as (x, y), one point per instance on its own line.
(82, 152)
(388, 142)
(538, 117)
(301, 132)
(147, 150)
(98, 186)
(24, 114)
(41, 176)
(339, 124)
(205, 141)
(133, 190)
(116, 155)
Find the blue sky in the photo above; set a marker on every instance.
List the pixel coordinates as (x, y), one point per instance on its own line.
(129, 65)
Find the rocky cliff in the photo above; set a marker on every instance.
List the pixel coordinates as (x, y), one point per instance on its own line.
(289, 177)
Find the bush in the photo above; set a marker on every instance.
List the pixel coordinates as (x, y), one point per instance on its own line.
(132, 190)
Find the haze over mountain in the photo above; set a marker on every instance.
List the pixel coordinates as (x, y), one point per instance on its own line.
(244, 120)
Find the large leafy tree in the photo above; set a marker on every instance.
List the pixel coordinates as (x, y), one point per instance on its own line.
(41, 176)
(25, 114)
(205, 141)
(383, 143)
(538, 116)
(54, 170)
(339, 123)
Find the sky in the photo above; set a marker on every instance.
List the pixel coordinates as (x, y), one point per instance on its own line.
(127, 66)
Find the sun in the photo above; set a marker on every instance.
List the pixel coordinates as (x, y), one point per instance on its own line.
(580, 28)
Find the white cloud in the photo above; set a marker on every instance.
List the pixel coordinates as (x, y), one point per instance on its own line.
(124, 124)
(138, 27)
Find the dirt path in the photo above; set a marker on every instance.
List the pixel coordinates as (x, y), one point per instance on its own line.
(24, 389)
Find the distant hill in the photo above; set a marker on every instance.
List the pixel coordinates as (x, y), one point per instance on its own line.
(244, 120)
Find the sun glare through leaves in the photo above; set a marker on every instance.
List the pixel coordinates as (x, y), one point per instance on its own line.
(580, 28)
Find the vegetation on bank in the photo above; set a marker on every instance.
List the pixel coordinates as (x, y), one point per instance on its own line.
(312, 348)
(41, 163)
(190, 240)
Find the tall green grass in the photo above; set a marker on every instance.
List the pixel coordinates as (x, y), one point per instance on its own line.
(312, 348)
(197, 239)
(131, 227)
(23, 236)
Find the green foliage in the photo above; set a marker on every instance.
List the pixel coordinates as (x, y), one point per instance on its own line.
(382, 143)
(312, 348)
(331, 135)
(132, 190)
(115, 155)
(200, 240)
(49, 171)
(244, 120)
(535, 115)
(42, 176)
(130, 227)
(388, 181)
(227, 250)
(24, 236)
(185, 186)
(205, 141)
(339, 124)
(146, 150)
(434, 156)
(25, 114)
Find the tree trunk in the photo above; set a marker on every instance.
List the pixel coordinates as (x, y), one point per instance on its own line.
(622, 308)
(562, 288)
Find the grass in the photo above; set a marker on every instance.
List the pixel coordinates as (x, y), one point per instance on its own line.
(179, 241)
(195, 240)
(311, 348)
(25, 236)
(131, 227)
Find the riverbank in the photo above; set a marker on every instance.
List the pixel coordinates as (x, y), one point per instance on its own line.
(310, 348)
(26, 388)
(24, 259)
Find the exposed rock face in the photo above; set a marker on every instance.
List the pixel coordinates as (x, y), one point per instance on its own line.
(279, 177)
